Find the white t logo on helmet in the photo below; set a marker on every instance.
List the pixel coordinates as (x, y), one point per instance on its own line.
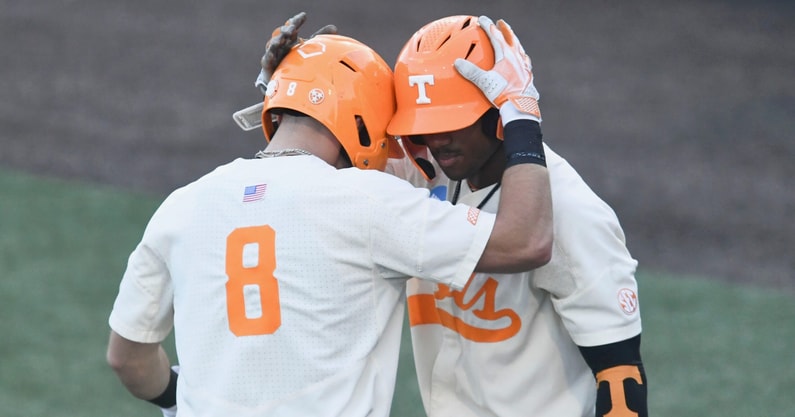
(420, 81)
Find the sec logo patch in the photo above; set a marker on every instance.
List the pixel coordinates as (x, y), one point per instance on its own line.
(628, 301)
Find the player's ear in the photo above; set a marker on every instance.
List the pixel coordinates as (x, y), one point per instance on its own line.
(489, 123)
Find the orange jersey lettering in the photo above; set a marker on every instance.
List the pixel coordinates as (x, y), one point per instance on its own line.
(423, 310)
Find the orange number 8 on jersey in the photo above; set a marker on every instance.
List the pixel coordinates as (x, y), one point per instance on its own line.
(252, 293)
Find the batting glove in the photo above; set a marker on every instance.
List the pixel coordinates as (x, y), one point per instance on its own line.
(511, 78)
(281, 42)
(169, 412)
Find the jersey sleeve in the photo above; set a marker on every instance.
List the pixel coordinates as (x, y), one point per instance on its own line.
(423, 237)
(592, 275)
(143, 310)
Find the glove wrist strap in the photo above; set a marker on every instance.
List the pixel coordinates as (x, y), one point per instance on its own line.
(510, 111)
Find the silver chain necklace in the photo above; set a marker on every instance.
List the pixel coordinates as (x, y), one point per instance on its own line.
(283, 152)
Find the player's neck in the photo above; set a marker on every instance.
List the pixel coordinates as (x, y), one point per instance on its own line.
(490, 173)
(306, 134)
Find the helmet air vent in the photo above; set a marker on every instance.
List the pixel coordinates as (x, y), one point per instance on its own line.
(472, 47)
(348, 65)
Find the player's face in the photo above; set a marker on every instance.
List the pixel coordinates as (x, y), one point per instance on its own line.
(462, 154)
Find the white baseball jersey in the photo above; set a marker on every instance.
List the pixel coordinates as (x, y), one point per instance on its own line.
(506, 345)
(284, 279)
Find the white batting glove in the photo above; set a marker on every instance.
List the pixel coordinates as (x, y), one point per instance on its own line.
(169, 412)
(281, 42)
(511, 78)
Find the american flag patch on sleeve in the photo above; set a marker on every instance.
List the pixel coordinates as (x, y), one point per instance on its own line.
(254, 192)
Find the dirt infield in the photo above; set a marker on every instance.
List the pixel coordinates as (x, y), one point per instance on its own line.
(679, 114)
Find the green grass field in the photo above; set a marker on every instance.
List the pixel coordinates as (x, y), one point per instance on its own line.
(710, 349)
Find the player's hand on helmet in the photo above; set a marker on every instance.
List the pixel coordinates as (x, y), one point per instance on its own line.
(279, 45)
(511, 78)
(282, 40)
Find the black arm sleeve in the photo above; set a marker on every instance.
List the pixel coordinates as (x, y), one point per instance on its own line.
(620, 378)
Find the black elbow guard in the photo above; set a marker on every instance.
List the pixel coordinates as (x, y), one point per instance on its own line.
(620, 378)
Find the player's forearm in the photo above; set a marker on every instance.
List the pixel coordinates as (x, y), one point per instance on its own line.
(143, 368)
(522, 236)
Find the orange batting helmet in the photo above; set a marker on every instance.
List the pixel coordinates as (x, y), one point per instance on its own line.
(346, 86)
(432, 96)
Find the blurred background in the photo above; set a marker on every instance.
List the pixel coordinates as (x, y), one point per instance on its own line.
(679, 114)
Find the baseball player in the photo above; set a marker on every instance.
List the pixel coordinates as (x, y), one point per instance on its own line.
(284, 276)
(562, 340)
